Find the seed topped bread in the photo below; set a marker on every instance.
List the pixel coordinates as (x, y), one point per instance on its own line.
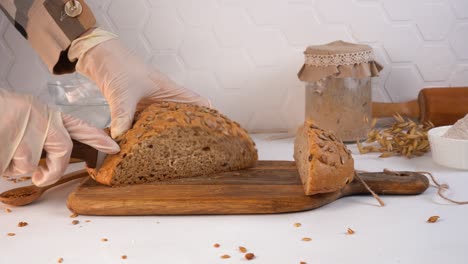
(172, 140)
(324, 163)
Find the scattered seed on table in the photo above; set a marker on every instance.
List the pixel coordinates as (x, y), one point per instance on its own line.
(60, 260)
(7, 210)
(11, 234)
(297, 224)
(75, 222)
(302, 262)
(124, 257)
(249, 256)
(306, 239)
(216, 245)
(350, 231)
(433, 219)
(73, 215)
(242, 249)
(104, 239)
(225, 256)
(22, 224)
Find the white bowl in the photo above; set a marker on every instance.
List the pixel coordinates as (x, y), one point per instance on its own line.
(448, 152)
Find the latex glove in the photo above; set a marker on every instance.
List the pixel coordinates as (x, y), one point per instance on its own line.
(29, 126)
(125, 80)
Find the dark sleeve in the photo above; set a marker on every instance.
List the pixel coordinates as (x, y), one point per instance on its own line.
(46, 25)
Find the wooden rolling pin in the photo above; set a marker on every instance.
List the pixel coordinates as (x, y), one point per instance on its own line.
(441, 106)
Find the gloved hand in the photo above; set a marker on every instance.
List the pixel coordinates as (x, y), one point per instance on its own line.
(28, 126)
(128, 84)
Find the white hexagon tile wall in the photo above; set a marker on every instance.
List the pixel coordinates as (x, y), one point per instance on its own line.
(244, 54)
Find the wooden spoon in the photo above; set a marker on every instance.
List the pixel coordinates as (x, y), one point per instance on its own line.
(28, 194)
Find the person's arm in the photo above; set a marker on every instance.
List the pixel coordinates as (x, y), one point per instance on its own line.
(64, 42)
(49, 29)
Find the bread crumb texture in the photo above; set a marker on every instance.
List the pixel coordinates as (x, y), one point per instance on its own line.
(174, 140)
(324, 163)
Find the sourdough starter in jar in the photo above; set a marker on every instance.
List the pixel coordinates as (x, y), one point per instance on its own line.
(342, 105)
(337, 77)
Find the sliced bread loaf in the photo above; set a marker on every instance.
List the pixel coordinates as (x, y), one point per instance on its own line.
(324, 162)
(173, 140)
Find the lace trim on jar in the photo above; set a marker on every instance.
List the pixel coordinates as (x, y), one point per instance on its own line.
(339, 59)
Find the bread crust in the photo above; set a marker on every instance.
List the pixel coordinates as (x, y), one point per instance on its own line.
(324, 163)
(160, 118)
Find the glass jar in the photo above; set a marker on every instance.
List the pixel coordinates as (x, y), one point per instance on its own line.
(82, 99)
(338, 84)
(342, 105)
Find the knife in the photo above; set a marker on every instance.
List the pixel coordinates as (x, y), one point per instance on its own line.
(92, 157)
(442, 106)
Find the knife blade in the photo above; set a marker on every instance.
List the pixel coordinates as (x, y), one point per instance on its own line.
(92, 157)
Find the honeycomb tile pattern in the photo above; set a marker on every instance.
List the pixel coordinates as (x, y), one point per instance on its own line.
(244, 54)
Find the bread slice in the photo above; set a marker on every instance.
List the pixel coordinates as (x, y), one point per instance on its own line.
(172, 140)
(324, 162)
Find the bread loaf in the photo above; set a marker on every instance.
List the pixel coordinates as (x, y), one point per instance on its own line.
(172, 140)
(324, 162)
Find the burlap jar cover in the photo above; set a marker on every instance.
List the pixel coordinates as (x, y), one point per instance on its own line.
(339, 59)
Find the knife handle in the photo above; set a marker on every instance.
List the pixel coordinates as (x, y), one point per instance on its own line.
(82, 152)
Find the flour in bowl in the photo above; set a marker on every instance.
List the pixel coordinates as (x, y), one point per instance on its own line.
(459, 130)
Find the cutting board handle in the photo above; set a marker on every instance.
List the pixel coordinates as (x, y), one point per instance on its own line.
(396, 183)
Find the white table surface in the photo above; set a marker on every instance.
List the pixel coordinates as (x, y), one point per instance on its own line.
(396, 233)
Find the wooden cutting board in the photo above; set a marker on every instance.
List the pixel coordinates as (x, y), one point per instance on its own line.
(270, 187)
